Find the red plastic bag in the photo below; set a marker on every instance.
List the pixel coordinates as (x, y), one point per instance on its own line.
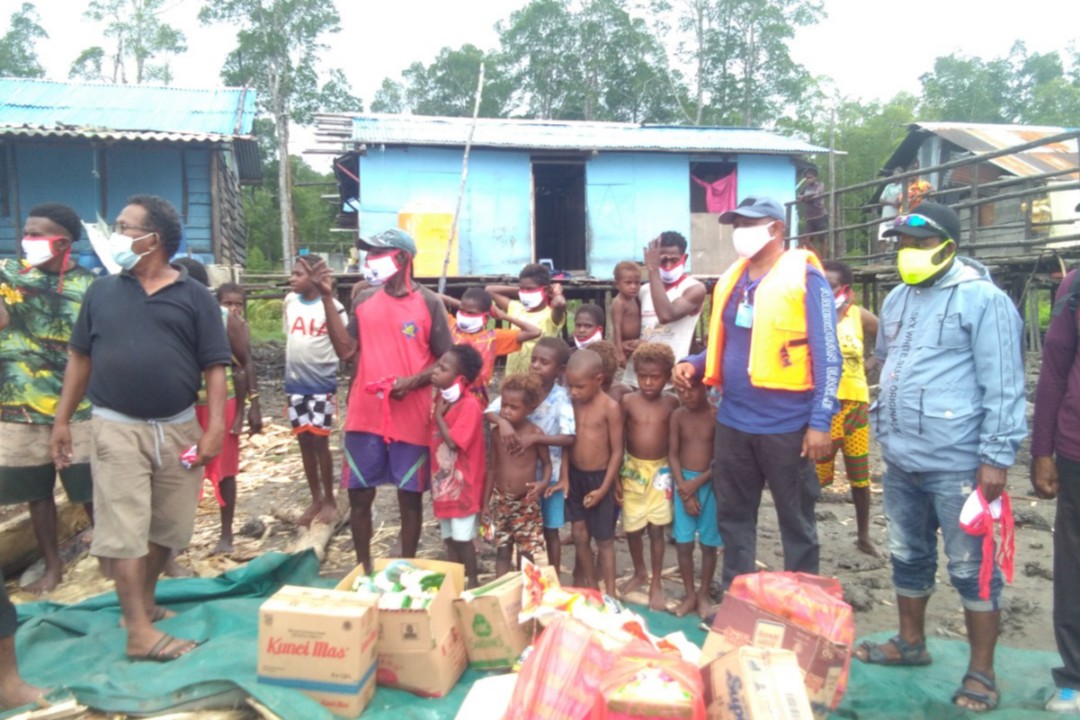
(559, 679)
(645, 683)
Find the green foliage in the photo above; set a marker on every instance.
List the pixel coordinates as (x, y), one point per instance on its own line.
(1034, 89)
(265, 320)
(313, 216)
(448, 85)
(138, 35)
(17, 55)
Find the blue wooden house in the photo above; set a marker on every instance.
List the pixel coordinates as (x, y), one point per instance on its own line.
(583, 195)
(92, 145)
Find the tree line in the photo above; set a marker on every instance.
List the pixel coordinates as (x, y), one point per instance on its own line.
(684, 62)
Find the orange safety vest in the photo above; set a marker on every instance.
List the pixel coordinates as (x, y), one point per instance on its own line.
(779, 352)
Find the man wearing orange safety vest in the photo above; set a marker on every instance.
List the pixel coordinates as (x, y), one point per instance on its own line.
(774, 355)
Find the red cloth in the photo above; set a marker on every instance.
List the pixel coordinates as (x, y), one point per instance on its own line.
(720, 196)
(983, 524)
(227, 464)
(394, 336)
(457, 478)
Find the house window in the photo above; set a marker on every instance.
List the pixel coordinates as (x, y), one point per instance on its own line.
(708, 187)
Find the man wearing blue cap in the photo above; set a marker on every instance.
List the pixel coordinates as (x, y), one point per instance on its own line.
(773, 352)
(397, 331)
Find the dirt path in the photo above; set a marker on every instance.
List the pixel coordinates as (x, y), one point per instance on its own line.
(272, 494)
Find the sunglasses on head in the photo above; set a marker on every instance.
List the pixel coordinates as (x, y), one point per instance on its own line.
(920, 221)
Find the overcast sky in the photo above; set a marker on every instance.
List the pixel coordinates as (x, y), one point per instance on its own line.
(871, 50)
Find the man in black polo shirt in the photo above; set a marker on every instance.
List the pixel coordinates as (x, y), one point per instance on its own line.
(138, 348)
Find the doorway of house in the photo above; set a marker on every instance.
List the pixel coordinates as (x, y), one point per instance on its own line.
(559, 213)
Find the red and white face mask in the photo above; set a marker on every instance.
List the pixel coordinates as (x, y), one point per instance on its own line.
(979, 517)
(380, 268)
(39, 250)
(596, 336)
(470, 322)
(531, 299)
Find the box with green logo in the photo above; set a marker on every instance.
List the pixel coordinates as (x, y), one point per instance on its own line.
(488, 616)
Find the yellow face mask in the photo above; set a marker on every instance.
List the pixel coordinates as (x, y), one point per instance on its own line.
(917, 265)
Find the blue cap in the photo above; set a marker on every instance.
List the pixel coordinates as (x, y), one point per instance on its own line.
(755, 208)
(390, 239)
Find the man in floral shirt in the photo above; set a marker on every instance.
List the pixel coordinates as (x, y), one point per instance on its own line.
(40, 297)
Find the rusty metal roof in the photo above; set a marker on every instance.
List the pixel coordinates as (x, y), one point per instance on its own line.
(980, 138)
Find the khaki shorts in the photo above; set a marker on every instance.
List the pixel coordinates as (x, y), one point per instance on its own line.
(27, 473)
(137, 500)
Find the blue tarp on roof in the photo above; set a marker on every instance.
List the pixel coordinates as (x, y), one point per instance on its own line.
(47, 103)
(571, 135)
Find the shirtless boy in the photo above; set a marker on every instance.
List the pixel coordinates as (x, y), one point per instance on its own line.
(690, 454)
(645, 488)
(555, 417)
(626, 309)
(595, 458)
(610, 358)
(514, 488)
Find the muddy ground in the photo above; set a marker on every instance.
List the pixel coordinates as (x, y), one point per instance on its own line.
(273, 493)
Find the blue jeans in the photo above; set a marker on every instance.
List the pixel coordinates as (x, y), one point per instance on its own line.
(917, 505)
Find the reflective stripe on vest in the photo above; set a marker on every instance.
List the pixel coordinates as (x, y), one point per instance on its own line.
(779, 352)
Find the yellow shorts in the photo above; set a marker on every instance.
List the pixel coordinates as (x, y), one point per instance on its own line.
(647, 491)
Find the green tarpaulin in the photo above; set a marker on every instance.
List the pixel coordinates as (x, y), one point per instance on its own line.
(81, 648)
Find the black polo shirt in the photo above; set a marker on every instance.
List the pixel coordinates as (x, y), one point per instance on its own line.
(147, 352)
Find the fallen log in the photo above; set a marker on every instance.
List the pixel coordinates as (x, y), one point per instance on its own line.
(18, 545)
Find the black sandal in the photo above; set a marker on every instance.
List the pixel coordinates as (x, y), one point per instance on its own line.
(989, 701)
(910, 655)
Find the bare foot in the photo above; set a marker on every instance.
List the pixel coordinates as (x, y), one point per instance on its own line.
(327, 513)
(310, 514)
(868, 547)
(45, 583)
(636, 582)
(224, 546)
(18, 693)
(155, 614)
(175, 570)
(688, 604)
(656, 597)
(705, 605)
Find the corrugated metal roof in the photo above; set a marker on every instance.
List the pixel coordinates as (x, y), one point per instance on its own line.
(980, 138)
(569, 135)
(157, 108)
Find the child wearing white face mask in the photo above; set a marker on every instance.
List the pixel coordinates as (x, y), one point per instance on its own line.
(457, 454)
(470, 326)
(539, 303)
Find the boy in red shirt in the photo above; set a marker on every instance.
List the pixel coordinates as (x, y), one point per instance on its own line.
(457, 453)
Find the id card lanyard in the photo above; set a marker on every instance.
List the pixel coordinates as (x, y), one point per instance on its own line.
(744, 312)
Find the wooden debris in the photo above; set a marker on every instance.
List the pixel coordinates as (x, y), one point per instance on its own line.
(65, 710)
(18, 545)
(318, 535)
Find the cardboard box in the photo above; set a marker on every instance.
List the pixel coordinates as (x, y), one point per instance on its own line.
(321, 642)
(752, 683)
(421, 650)
(488, 617)
(739, 622)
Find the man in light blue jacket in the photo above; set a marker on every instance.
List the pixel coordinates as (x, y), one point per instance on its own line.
(949, 417)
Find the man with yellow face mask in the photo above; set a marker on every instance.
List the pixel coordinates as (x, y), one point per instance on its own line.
(949, 417)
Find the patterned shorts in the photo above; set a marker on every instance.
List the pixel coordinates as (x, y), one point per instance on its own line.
(850, 433)
(517, 521)
(312, 413)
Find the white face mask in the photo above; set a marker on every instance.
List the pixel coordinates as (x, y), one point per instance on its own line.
(469, 323)
(38, 250)
(674, 274)
(595, 337)
(377, 270)
(122, 254)
(453, 393)
(839, 300)
(531, 299)
(749, 241)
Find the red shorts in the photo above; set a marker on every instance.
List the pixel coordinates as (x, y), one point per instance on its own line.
(227, 464)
